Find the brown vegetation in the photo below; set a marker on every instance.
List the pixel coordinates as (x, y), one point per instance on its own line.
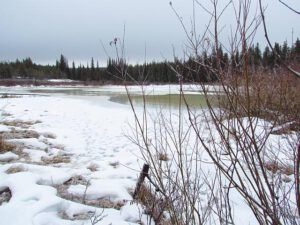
(62, 190)
(154, 204)
(15, 169)
(20, 123)
(56, 159)
(5, 146)
(272, 97)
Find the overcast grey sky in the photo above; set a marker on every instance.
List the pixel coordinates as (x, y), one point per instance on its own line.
(43, 29)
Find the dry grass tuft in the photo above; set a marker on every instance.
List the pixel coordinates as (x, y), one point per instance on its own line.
(155, 205)
(275, 167)
(56, 159)
(163, 157)
(15, 169)
(20, 134)
(62, 191)
(77, 216)
(272, 166)
(287, 170)
(75, 180)
(21, 123)
(5, 146)
(105, 203)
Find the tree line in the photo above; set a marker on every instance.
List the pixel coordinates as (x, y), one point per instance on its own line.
(154, 72)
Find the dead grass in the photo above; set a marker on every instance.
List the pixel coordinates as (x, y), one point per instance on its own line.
(20, 134)
(275, 167)
(77, 216)
(5, 146)
(75, 180)
(163, 157)
(53, 145)
(62, 191)
(12, 147)
(21, 123)
(155, 205)
(56, 159)
(15, 169)
(287, 170)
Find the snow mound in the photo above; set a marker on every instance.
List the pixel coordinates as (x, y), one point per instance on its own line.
(8, 156)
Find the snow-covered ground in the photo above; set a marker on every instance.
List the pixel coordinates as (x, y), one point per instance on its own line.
(74, 153)
(89, 136)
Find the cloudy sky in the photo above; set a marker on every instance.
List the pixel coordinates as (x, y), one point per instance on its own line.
(43, 29)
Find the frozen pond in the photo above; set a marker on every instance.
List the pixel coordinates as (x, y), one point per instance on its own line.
(155, 95)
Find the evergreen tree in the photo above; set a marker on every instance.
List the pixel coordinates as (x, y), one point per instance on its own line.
(296, 50)
(63, 66)
(257, 55)
(285, 51)
(268, 58)
(63, 63)
(73, 73)
(93, 75)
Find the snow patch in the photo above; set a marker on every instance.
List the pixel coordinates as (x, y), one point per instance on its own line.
(8, 156)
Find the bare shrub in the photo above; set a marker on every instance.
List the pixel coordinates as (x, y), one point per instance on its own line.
(96, 217)
(273, 97)
(233, 133)
(225, 149)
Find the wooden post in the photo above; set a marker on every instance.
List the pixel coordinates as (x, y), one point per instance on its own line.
(141, 179)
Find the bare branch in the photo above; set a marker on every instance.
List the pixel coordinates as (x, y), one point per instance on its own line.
(289, 7)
